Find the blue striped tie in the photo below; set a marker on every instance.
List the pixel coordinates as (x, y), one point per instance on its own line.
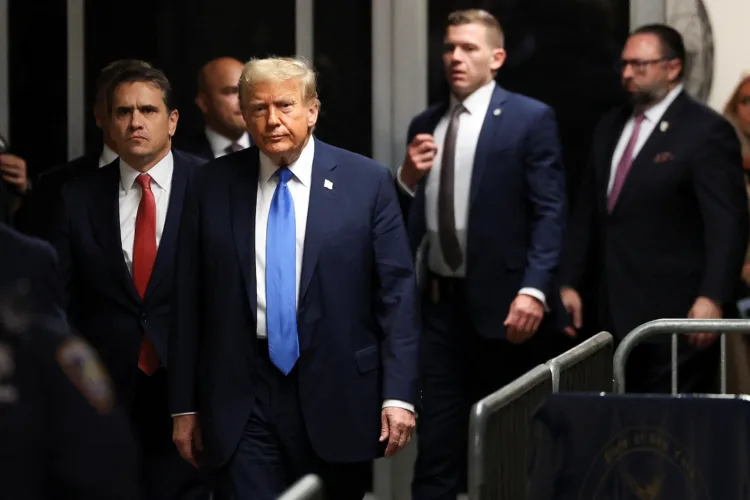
(281, 277)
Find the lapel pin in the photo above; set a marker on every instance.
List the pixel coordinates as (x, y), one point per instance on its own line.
(328, 184)
(497, 112)
(663, 126)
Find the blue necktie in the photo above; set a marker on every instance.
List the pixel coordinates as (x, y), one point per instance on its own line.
(281, 277)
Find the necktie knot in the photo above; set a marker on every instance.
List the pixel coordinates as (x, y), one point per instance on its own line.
(639, 119)
(145, 181)
(457, 111)
(284, 174)
(233, 148)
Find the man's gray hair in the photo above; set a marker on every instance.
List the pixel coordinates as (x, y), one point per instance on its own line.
(279, 70)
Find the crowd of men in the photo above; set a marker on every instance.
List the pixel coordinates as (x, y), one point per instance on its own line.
(261, 305)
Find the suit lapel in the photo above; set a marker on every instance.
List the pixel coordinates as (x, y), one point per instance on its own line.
(655, 142)
(492, 127)
(319, 212)
(166, 252)
(243, 196)
(105, 221)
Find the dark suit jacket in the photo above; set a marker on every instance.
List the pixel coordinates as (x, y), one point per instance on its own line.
(37, 215)
(517, 209)
(679, 229)
(104, 305)
(357, 313)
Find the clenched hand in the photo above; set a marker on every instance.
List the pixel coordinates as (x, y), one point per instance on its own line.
(524, 317)
(397, 426)
(186, 434)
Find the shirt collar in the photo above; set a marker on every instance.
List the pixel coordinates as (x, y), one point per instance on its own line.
(107, 156)
(301, 169)
(161, 173)
(478, 101)
(655, 112)
(219, 143)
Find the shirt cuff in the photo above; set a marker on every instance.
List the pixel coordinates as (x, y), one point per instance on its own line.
(537, 294)
(181, 414)
(404, 188)
(395, 403)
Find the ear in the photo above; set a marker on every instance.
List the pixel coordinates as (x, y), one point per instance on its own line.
(675, 66)
(202, 102)
(174, 116)
(498, 59)
(313, 110)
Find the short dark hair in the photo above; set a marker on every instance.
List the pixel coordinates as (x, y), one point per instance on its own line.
(672, 44)
(151, 75)
(478, 16)
(110, 72)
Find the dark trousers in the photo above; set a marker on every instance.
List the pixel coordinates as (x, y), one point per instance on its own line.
(164, 473)
(459, 367)
(275, 450)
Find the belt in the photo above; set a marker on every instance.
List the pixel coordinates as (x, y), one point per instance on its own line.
(442, 288)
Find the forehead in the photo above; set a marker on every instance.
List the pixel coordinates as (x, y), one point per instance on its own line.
(271, 91)
(138, 94)
(225, 74)
(475, 33)
(642, 46)
(745, 88)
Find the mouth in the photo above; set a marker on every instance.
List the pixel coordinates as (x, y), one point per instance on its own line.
(275, 138)
(137, 138)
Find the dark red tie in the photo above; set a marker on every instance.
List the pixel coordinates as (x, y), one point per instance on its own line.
(144, 255)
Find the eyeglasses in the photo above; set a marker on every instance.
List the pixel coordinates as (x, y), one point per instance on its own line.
(638, 65)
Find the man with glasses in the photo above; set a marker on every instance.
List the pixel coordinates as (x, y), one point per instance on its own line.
(662, 220)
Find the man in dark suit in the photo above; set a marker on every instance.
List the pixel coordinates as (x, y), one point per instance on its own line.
(117, 241)
(36, 216)
(218, 99)
(297, 328)
(488, 223)
(61, 431)
(662, 220)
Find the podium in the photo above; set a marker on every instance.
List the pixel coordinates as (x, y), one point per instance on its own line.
(623, 447)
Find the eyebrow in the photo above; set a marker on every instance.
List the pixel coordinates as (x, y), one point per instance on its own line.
(144, 107)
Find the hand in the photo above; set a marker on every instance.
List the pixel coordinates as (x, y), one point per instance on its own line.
(525, 315)
(186, 434)
(13, 169)
(704, 308)
(574, 305)
(420, 155)
(397, 426)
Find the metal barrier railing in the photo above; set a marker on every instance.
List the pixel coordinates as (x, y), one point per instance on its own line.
(586, 367)
(309, 487)
(675, 327)
(498, 437)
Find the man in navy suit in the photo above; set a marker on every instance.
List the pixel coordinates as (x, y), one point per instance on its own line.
(297, 332)
(117, 241)
(488, 223)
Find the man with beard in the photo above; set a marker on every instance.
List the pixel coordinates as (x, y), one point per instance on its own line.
(662, 219)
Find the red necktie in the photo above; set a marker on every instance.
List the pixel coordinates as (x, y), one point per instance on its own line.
(144, 255)
(623, 167)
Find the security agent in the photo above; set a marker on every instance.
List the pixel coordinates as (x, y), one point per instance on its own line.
(61, 434)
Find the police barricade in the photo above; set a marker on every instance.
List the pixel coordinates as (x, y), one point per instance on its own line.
(309, 487)
(585, 367)
(675, 327)
(647, 447)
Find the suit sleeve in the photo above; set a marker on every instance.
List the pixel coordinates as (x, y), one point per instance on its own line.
(720, 189)
(397, 294)
(545, 181)
(184, 337)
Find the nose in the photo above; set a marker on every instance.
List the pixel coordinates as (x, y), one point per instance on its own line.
(136, 120)
(273, 116)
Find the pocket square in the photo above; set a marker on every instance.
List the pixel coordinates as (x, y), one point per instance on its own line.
(663, 157)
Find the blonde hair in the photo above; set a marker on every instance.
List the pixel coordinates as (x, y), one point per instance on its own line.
(279, 70)
(479, 16)
(730, 113)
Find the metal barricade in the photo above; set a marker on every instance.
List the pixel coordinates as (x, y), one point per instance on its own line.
(675, 327)
(309, 487)
(586, 367)
(498, 437)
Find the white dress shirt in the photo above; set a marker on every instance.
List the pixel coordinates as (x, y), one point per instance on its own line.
(469, 127)
(299, 188)
(651, 120)
(107, 156)
(130, 198)
(219, 143)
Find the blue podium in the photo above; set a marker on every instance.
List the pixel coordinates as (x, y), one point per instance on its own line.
(610, 447)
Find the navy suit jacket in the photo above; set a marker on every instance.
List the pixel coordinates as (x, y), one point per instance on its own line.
(103, 304)
(517, 209)
(357, 319)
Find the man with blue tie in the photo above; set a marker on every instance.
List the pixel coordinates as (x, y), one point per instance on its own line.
(297, 332)
(488, 221)
(117, 241)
